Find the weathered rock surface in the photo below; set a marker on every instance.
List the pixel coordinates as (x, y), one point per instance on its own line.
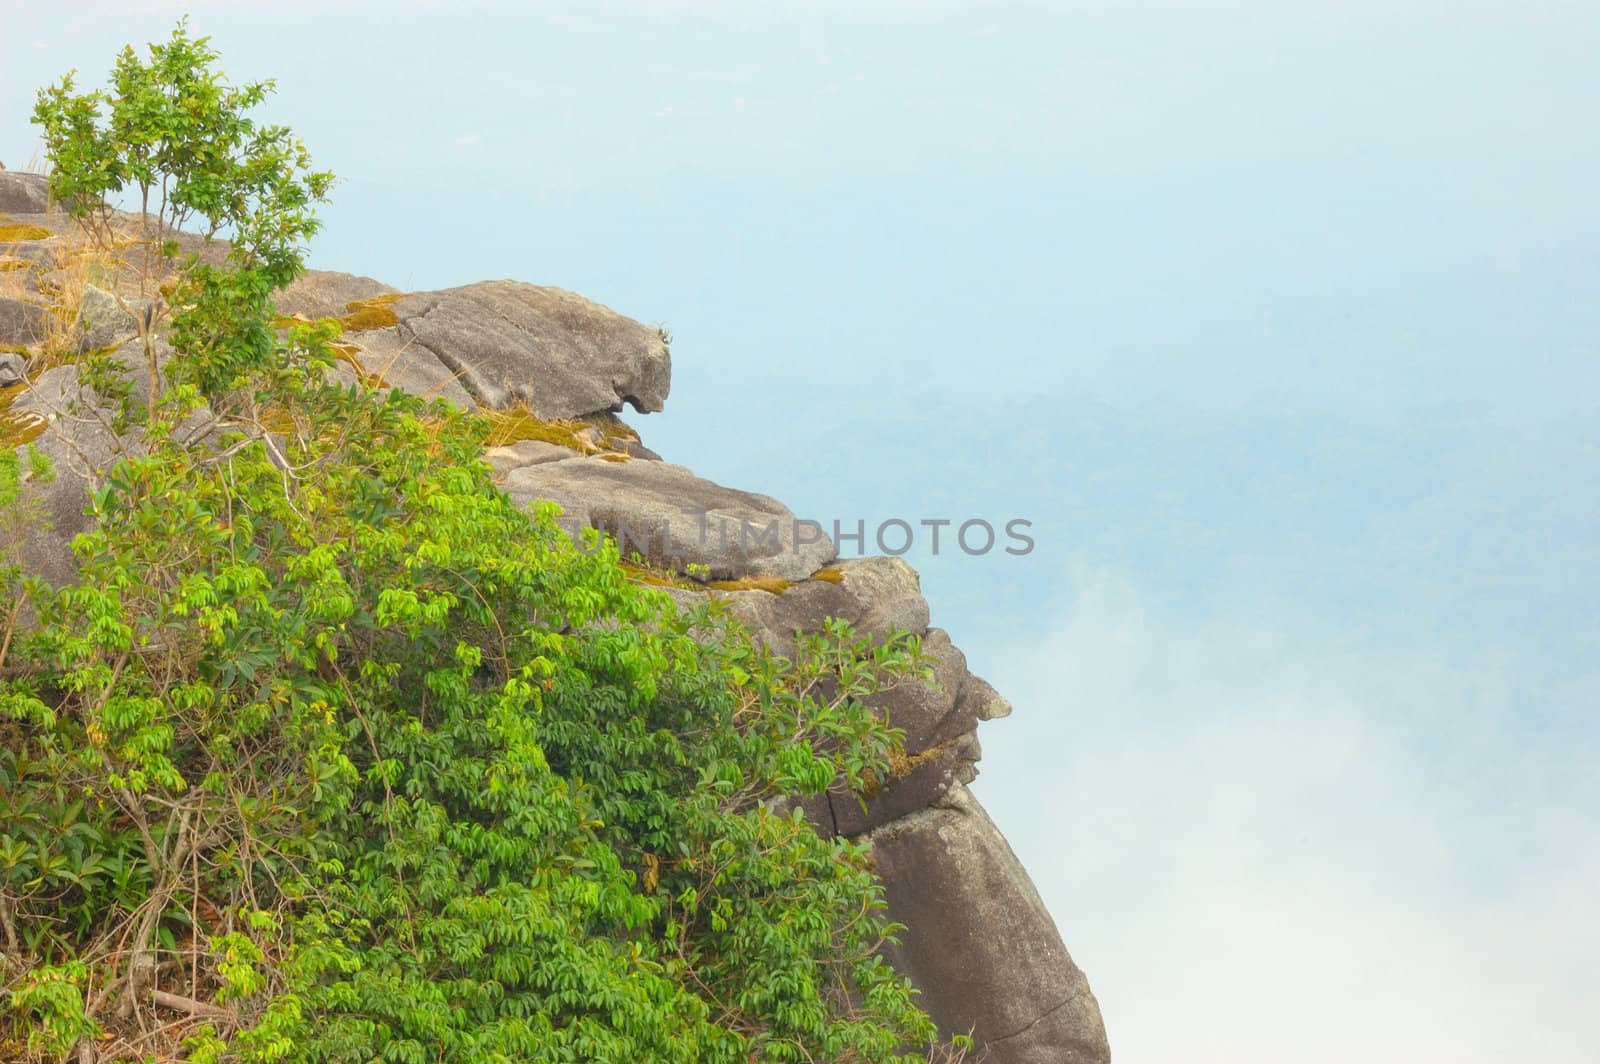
(22, 323)
(22, 193)
(382, 354)
(981, 945)
(674, 519)
(400, 362)
(555, 353)
(526, 453)
(495, 344)
(103, 322)
(326, 294)
(81, 446)
(876, 595)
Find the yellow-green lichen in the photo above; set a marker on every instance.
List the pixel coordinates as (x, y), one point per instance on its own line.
(374, 313)
(831, 574)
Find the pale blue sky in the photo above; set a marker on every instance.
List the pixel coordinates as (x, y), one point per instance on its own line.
(1279, 321)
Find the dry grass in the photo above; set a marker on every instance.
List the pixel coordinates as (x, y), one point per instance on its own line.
(658, 577)
(14, 232)
(17, 430)
(772, 585)
(507, 427)
(901, 766)
(59, 285)
(514, 426)
(654, 577)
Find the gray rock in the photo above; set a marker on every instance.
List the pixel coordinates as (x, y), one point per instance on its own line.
(931, 714)
(673, 518)
(923, 780)
(635, 449)
(41, 254)
(941, 751)
(526, 453)
(81, 446)
(979, 943)
(81, 449)
(392, 361)
(556, 353)
(924, 711)
(326, 294)
(103, 321)
(22, 193)
(890, 590)
(876, 595)
(23, 323)
(383, 356)
(11, 368)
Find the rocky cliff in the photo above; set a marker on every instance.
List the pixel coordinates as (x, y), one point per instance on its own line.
(553, 370)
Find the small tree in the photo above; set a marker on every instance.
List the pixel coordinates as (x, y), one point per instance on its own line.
(176, 134)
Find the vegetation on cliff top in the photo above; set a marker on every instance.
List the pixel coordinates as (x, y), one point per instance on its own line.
(332, 753)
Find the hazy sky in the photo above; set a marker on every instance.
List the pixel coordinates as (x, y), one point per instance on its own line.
(1279, 321)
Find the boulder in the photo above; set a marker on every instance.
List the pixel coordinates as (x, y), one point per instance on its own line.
(675, 519)
(979, 943)
(22, 193)
(103, 322)
(557, 354)
(11, 368)
(939, 719)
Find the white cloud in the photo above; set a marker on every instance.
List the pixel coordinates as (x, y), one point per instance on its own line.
(1265, 850)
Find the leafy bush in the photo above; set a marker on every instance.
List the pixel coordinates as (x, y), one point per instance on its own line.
(335, 754)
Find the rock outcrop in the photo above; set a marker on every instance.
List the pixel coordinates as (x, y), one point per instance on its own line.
(979, 941)
(504, 344)
(675, 520)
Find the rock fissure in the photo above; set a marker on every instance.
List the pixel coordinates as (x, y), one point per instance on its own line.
(1045, 1015)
